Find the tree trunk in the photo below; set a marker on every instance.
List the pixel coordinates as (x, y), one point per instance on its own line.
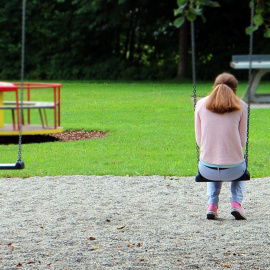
(183, 52)
(132, 43)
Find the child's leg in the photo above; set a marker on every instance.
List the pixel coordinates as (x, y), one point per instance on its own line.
(237, 190)
(213, 191)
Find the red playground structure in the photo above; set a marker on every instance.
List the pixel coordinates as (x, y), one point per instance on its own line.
(22, 109)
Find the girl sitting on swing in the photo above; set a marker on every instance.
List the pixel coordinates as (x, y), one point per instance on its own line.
(221, 133)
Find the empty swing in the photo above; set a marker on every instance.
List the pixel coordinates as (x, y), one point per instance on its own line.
(246, 175)
(19, 163)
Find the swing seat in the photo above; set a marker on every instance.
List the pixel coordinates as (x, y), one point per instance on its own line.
(244, 177)
(19, 165)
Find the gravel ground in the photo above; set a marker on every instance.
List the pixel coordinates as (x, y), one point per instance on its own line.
(109, 222)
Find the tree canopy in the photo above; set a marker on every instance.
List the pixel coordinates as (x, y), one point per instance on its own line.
(124, 39)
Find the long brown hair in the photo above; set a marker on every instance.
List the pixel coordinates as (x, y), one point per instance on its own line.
(223, 97)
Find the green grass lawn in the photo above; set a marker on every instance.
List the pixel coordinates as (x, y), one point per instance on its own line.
(150, 127)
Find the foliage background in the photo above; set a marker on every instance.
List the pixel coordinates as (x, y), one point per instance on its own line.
(125, 39)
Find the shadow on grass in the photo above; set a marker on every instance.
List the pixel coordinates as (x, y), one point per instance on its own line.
(27, 139)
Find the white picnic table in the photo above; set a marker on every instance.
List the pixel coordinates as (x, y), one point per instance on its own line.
(260, 65)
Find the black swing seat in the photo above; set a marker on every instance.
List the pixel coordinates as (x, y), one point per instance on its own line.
(19, 165)
(244, 177)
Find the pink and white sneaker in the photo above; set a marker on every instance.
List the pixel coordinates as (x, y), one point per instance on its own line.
(212, 211)
(237, 211)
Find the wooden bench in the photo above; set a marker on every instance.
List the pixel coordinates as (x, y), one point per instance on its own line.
(260, 65)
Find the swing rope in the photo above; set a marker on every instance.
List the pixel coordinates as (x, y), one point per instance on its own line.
(246, 176)
(19, 164)
(22, 78)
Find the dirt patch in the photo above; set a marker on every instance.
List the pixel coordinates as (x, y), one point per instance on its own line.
(71, 135)
(66, 136)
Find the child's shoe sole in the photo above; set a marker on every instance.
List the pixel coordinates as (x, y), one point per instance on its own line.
(211, 215)
(237, 214)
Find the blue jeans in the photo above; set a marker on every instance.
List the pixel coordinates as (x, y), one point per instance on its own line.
(214, 188)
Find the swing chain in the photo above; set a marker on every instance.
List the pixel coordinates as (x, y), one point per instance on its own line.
(249, 77)
(193, 63)
(194, 76)
(22, 77)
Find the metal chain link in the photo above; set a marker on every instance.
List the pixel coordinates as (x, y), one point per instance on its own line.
(193, 63)
(249, 76)
(194, 75)
(22, 78)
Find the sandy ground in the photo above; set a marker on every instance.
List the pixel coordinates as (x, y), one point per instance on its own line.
(109, 222)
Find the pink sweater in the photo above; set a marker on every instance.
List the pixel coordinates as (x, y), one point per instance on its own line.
(221, 137)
